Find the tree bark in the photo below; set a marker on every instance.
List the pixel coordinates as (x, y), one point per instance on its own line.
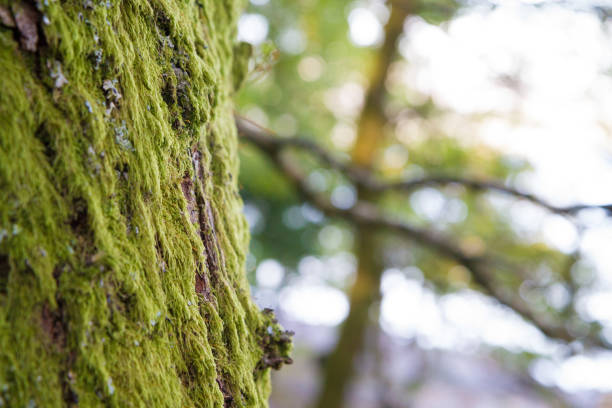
(122, 242)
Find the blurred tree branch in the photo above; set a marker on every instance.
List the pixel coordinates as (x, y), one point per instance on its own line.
(365, 213)
(366, 180)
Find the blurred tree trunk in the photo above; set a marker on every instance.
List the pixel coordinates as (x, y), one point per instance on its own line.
(340, 364)
(122, 242)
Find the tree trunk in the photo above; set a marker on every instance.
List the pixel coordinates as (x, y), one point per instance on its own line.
(339, 368)
(122, 242)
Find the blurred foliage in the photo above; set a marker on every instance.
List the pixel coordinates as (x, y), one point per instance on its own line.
(313, 90)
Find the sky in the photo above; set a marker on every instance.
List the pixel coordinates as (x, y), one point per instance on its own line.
(542, 76)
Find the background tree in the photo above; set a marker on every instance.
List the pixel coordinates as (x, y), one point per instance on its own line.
(480, 251)
(122, 242)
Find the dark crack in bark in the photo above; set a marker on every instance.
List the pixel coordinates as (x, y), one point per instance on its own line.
(228, 399)
(189, 194)
(5, 268)
(202, 284)
(201, 216)
(208, 232)
(209, 237)
(54, 324)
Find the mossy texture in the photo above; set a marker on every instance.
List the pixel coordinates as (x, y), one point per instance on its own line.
(122, 242)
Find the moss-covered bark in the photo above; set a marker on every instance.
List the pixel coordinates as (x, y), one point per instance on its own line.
(121, 237)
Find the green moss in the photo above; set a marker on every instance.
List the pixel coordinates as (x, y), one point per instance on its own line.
(122, 242)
